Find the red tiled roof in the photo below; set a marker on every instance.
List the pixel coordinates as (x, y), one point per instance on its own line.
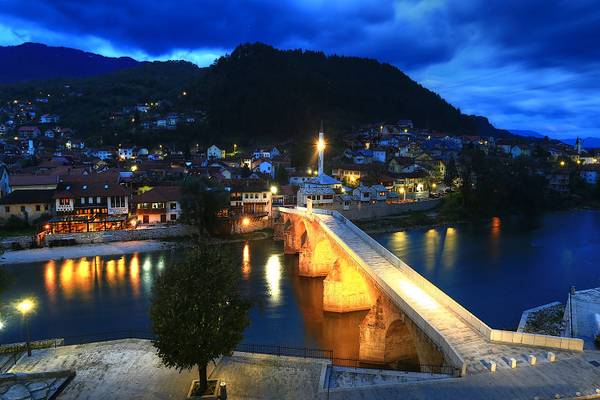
(31, 180)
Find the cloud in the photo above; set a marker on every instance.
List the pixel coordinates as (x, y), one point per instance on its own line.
(525, 64)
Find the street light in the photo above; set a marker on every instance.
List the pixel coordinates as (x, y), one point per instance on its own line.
(25, 307)
(562, 163)
(403, 192)
(273, 189)
(320, 145)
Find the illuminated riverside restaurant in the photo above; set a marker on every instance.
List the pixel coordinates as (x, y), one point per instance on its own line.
(87, 223)
(90, 207)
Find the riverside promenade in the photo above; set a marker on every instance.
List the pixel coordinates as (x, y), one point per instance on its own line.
(130, 369)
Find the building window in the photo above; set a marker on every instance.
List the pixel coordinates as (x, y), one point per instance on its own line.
(38, 207)
(90, 200)
(264, 195)
(45, 207)
(22, 208)
(117, 201)
(64, 202)
(7, 209)
(173, 207)
(98, 200)
(173, 217)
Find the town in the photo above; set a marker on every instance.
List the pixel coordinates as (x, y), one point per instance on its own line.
(55, 184)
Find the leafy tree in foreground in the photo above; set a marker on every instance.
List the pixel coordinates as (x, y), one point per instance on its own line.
(201, 201)
(197, 311)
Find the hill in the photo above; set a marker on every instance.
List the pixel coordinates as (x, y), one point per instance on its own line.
(255, 94)
(34, 61)
(260, 90)
(526, 133)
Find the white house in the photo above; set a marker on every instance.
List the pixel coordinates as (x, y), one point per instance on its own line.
(49, 119)
(265, 167)
(320, 196)
(126, 153)
(215, 152)
(379, 155)
(362, 193)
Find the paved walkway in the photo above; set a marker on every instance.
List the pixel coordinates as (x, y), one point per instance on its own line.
(116, 370)
(471, 345)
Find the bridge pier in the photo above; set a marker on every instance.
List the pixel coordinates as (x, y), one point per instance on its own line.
(387, 336)
(345, 289)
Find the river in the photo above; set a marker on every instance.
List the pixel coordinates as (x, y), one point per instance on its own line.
(495, 269)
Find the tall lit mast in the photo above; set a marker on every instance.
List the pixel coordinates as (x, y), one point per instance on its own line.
(321, 148)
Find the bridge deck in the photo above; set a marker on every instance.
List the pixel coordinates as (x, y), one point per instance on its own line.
(472, 346)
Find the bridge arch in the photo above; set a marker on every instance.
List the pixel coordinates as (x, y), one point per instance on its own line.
(400, 346)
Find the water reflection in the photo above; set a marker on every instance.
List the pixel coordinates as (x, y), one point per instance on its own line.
(432, 238)
(273, 278)
(449, 249)
(246, 261)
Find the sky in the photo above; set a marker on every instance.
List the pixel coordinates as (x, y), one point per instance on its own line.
(524, 64)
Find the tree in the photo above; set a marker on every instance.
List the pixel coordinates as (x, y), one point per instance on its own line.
(201, 201)
(197, 312)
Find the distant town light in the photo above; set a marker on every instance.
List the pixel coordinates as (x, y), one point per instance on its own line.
(309, 171)
(184, 93)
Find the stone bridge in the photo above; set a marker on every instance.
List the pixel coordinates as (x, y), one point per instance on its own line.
(409, 321)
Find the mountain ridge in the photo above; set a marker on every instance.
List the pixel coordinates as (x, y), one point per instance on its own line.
(35, 61)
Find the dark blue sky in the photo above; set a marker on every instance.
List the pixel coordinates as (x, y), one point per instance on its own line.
(525, 64)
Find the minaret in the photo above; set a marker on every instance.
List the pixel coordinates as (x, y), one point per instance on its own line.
(578, 143)
(321, 148)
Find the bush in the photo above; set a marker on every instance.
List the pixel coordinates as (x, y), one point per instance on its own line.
(14, 224)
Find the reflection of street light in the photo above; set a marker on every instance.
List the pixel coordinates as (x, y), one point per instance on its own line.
(25, 307)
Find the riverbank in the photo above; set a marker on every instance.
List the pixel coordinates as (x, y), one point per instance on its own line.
(396, 223)
(113, 248)
(84, 250)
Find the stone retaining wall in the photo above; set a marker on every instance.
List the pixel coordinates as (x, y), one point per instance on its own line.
(360, 211)
(16, 242)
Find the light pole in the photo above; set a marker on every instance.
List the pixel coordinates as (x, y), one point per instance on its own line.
(25, 307)
(273, 193)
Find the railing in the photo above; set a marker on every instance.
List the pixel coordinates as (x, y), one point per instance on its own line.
(285, 351)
